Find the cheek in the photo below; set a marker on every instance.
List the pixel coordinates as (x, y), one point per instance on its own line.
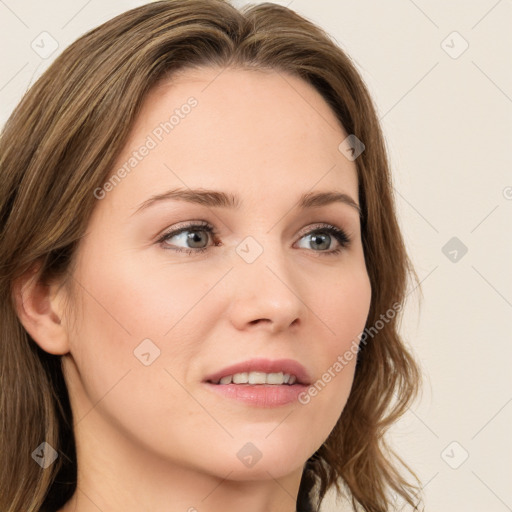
(151, 297)
(344, 310)
(120, 309)
(128, 299)
(123, 304)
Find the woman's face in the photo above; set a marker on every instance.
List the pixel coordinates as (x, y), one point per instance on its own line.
(158, 313)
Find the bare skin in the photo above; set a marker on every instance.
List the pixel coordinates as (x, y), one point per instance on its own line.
(155, 437)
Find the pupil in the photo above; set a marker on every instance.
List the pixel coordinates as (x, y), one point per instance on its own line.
(194, 238)
(318, 239)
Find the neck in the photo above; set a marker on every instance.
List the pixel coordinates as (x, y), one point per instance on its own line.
(118, 475)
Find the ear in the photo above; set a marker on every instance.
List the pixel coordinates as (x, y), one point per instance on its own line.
(40, 308)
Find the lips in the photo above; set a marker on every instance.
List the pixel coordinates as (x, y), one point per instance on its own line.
(286, 366)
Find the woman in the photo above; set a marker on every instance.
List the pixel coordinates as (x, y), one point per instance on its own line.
(201, 272)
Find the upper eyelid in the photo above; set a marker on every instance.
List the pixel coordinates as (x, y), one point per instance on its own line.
(321, 225)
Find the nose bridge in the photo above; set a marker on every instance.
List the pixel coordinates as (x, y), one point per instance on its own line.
(266, 287)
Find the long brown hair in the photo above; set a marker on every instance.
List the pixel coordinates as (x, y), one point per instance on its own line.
(60, 144)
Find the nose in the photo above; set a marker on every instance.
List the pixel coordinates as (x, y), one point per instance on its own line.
(266, 294)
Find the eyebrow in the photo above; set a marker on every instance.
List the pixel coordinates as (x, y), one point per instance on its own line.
(217, 199)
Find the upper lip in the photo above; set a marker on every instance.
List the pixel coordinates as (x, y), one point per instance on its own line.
(264, 365)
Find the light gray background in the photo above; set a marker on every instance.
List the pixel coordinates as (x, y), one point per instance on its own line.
(447, 119)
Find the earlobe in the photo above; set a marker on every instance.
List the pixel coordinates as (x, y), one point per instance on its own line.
(40, 309)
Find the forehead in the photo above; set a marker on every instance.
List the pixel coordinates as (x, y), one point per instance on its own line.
(236, 129)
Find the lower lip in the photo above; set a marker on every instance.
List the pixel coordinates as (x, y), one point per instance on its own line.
(260, 395)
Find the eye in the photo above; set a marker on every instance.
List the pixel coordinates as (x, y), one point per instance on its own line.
(322, 237)
(195, 238)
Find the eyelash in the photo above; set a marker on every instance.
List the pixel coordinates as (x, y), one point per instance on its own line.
(341, 237)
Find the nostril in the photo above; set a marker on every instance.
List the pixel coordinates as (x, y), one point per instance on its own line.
(259, 320)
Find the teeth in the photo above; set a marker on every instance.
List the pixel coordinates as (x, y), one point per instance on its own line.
(259, 378)
(274, 378)
(241, 378)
